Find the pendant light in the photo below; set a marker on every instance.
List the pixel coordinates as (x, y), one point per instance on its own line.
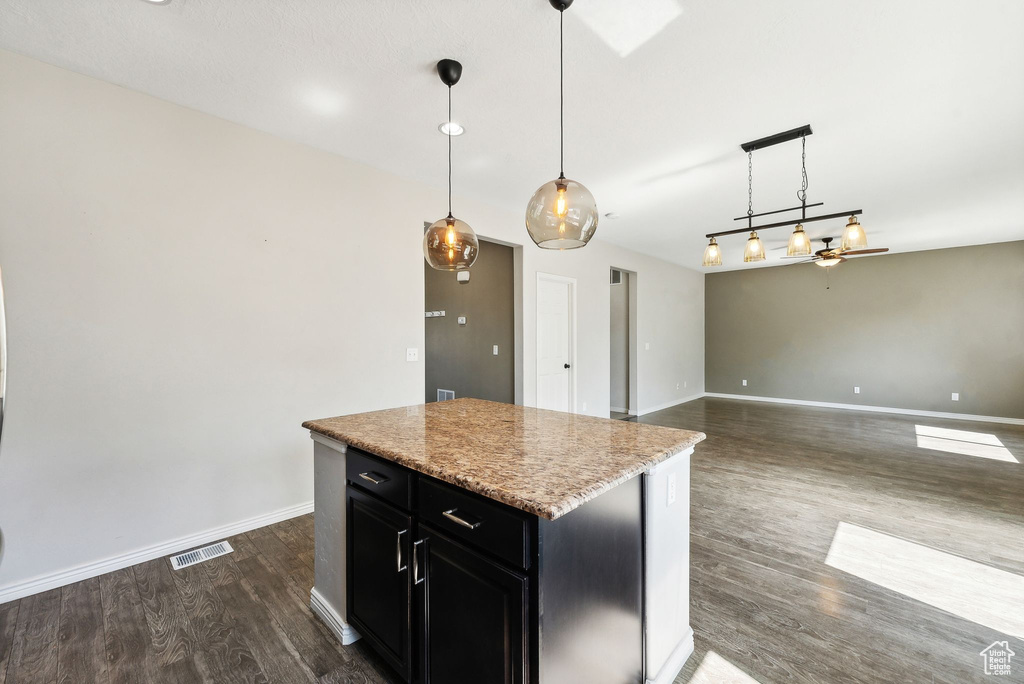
(562, 214)
(712, 254)
(799, 243)
(449, 243)
(754, 251)
(853, 235)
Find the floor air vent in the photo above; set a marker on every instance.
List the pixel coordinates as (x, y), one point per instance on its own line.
(183, 560)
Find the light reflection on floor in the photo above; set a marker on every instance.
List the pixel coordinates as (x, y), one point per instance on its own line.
(714, 669)
(962, 442)
(971, 590)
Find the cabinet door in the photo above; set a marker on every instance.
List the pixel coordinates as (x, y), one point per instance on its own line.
(379, 581)
(474, 622)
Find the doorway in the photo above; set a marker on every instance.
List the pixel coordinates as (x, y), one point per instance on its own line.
(556, 342)
(622, 344)
(470, 338)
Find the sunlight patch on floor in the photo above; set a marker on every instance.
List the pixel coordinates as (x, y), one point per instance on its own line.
(714, 669)
(971, 590)
(963, 442)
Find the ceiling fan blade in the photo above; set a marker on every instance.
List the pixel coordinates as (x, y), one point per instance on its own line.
(805, 261)
(799, 256)
(866, 251)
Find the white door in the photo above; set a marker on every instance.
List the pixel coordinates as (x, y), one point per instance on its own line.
(555, 344)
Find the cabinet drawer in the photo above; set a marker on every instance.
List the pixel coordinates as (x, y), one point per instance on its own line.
(387, 480)
(486, 525)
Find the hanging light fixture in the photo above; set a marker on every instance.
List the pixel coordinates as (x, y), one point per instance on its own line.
(853, 235)
(799, 243)
(562, 214)
(450, 244)
(712, 254)
(754, 251)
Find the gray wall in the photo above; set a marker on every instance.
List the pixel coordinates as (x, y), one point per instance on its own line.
(619, 356)
(908, 329)
(459, 357)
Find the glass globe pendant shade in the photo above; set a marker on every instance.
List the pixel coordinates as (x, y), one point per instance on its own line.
(799, 243)
(854, 236)
(754, 250)
(562, 214)
(712, 254)
(450, 245)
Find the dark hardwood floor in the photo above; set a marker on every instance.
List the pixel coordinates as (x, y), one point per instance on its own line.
(770, 487)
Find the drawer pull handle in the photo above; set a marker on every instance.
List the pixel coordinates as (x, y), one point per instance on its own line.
(369, 477)
(450, 514)
(398, 550)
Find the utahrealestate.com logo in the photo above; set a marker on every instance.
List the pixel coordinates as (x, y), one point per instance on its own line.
(997, 658)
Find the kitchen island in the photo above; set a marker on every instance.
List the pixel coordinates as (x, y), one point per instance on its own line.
(472, 541)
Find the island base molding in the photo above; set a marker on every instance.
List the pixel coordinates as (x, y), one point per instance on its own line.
(674, 665)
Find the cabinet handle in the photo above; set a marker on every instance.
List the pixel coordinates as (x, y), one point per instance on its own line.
(370, 478)
(450, 514)
(416, 579)
(398, 551)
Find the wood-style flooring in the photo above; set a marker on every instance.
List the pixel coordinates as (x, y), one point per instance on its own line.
(770, 487)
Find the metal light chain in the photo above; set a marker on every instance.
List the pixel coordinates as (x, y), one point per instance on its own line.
(802, 195)
(750, 188)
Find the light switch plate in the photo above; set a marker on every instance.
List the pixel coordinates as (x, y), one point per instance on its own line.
(412, 354)
(671, 488)
(744, 383)
(856, 390)
(462, 320)
(495, 350)
(647, 346)
(956, 396)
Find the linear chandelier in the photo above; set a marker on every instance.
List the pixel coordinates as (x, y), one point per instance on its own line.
(799, 243)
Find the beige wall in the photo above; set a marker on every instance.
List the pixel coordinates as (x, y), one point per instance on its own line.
(908, 329)
(619, 334)
(460, 357)
(183, 291)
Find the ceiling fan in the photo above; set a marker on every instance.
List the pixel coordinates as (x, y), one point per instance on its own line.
(833, 257)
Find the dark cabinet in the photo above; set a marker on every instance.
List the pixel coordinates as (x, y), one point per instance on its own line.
(473, 615)
(379, 579)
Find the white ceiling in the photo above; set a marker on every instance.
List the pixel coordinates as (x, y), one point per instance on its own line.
(917, 105)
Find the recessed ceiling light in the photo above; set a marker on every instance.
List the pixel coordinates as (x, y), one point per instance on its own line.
(158, 2)
(451, 128)
(611, 215)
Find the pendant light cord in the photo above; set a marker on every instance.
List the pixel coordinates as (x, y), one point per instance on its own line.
(449, 151)
(802, 195)
(561, 94)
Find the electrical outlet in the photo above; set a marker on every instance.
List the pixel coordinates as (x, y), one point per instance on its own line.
(956, 396)
(856, 390)
(647, 346)
(684, 384)
(495, 350)
(412, 354)
(744, 383)
(462, 320)
(677, 385)
(671, 489)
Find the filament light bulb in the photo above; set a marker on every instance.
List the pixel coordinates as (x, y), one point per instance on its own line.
(561, 204)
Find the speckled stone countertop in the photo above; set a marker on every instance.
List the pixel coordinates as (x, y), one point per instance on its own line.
(542, 462)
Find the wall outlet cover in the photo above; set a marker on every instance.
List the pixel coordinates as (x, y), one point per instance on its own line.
(495, 350)
(856, 390)
(412, 354)
(647, 346)
(462, 320)
(744, 383)
(956, 396)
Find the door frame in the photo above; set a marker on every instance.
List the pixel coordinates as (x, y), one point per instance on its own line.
(571, 282)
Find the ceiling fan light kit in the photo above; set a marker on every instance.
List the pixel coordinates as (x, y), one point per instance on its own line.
(854, 239)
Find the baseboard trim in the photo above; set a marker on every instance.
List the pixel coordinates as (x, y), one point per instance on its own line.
(674, 665)
(618, 409)
(874, 409)
(345, 633)
(669, 404)
(12, 592)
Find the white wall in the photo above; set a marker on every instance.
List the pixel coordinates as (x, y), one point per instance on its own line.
(182, 292)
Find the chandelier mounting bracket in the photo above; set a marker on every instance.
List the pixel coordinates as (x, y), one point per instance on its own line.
(777, 138)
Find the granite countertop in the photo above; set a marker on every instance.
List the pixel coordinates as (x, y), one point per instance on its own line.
(543, 462)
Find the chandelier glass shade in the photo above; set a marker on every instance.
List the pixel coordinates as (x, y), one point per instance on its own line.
(712, 254)
(562, 214)
(754, 250)
(450, 245)
(799, 243)
(854, 236)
